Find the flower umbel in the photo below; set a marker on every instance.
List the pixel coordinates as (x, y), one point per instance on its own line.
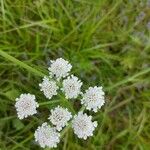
(72, 86)
(47, 136)
(59, 68)
(93, 98)
(26, 105)
(59, 117)
(83, 126)
(48, 87)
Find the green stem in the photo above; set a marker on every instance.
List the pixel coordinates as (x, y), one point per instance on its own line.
(129, 79)
(21, 64)
(49, 102)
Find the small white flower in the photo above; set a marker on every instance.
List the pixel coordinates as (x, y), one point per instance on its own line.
(83, 126)
(59, 117)
(59, 68)
(48, 87)
(47, 136)
(26, 105)
(71, 87)
(93, 98)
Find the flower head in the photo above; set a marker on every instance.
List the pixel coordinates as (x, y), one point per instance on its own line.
(59, 117)
(72, 86)
(83, 126)
(48, 87)
(93, 98)
(59, 68)
(47, 136)
(26, 105)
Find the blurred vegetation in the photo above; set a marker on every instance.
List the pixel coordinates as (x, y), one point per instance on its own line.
(108, 44)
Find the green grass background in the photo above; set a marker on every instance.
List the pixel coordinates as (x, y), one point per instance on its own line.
(106, 41)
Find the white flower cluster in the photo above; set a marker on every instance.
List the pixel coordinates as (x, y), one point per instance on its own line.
(60, 78)
(71, 87)
(59, 117)
(48, 87)
(93, 98)
(83, 126)
(26, 105)
(47, 136)
(59, 68)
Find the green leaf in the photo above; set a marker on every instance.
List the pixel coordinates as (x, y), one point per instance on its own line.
(12, 94)
(17, 124)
